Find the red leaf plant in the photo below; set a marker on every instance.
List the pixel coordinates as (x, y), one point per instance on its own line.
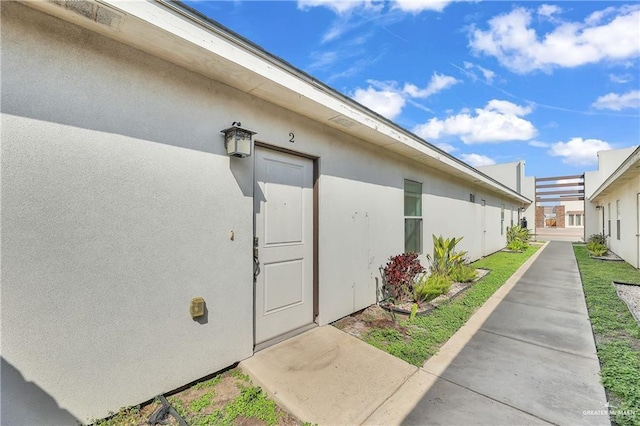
(399, 275)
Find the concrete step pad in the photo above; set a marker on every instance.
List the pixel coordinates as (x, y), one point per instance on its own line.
(328, 377)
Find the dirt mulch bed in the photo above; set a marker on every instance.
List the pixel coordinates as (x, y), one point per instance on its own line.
(424, 308)
(384, 316)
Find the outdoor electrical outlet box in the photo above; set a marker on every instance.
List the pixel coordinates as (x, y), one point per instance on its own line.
(197, 307)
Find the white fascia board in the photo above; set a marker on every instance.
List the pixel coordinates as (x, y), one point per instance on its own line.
(629, 167)
(149, 24)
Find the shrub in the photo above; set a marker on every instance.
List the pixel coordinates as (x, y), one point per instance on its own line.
(464, 273)
(445, 259)
(414, 312)
(518, 238)
(517, 245)
(597, 249)
(399, 275)
(431, 286)
(597, 238)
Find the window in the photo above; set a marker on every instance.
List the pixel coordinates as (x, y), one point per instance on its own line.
(472, 198)
(578, 220)
(571, 220)
(609, 219)
(412, 216)
(618, 219)
(501, 219)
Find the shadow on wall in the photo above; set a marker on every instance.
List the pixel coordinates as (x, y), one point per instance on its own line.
(25, 403)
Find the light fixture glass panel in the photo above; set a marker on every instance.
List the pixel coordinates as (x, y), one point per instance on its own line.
(244, 144)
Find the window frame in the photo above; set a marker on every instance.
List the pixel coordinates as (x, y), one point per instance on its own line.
(417, 219)
(618, 219)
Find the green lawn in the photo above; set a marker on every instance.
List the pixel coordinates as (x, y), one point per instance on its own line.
(616, 331)
(424, 336)
(229, 398)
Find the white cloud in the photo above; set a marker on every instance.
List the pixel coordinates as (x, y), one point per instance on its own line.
(342, 7)
(339, 6)
(539, 144)
(548, 10)
(618, 102)
(488, 75)
(498, 122)
(437, 83)
(620, 78)
(446, 147)
(597, 16)
(387, 99)
(351, 14)
(323, 59)
(610, 36)
(477, 160)
(578, 151)
(417, 6)
(507, 107)
(386, 102)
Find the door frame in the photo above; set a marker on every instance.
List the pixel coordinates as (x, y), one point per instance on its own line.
(315, 233)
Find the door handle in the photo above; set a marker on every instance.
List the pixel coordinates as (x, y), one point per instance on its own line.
(256, 260)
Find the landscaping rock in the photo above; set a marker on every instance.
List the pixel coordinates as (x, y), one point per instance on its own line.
(630, 294)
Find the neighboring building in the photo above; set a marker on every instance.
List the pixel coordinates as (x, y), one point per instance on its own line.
(613, 207)
(573, 213)
(513, 176)
(564, 214)
(120, 204)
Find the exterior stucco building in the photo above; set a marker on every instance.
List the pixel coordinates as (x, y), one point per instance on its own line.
(120, 204)
(613, 207)
(573, 214)
(513, 176)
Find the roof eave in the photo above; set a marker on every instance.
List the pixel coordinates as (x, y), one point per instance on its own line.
(628, 169)
(176, 33)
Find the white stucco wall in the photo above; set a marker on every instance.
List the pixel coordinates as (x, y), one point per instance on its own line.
(117, 202)
(592, 216)
(513, 176)
(509, 174)
(572, 208)
(627, 245)
(529, 191)
(117, 205)
(608, 162)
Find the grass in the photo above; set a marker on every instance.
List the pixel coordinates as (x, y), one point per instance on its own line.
(226, 399)
(616, 331)
(423, 336)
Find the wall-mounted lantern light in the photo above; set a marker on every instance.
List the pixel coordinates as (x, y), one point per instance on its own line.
(238, 141)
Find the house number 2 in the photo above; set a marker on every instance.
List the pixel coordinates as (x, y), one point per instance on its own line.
(292, 137)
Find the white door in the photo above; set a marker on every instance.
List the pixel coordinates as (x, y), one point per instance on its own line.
(283, 207)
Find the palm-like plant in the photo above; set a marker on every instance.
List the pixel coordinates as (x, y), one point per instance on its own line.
(518, 238)
(445, 259)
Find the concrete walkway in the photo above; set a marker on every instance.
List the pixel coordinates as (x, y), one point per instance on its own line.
(559, 234)
(526, 357)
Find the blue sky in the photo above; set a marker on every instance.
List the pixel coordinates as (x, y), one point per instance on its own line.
(488, 81)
